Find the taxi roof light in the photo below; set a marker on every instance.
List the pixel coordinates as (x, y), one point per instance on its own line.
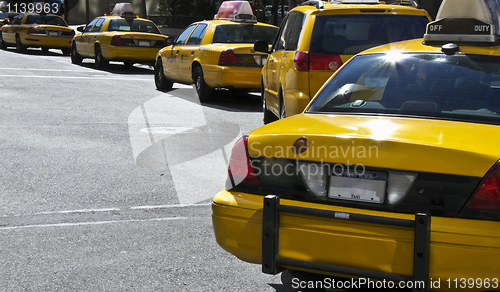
(465, 21)
(355, 1)
(239, 11)
(124, 9)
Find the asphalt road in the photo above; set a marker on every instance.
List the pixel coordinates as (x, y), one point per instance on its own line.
(106, 182)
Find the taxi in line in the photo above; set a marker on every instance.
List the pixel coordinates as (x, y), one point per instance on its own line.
(121, 36)
(216, 53)
(392, 173)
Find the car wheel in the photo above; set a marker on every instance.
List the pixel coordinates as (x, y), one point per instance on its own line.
(268, 115)
(204, 92)
(75, 57)
(282, 108)
(100, 61)
(128, 64)
(161, 82)
(3, 45)
(20, 48)
(45, 50)
(66, 51)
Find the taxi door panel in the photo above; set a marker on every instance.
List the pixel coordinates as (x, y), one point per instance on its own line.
(168, 59)
(10, 36)
(184, 62)
(274, 68)
(175, 55)
(83, 43)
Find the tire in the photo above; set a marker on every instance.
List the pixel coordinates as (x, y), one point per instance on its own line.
(282, 107)
(20, 48)
(204, 92)
(161, 82)
(100, 61)
(45, 50)
(3, 45)
(269, 117)
(128, 64)
(75, 57)
(66, 51)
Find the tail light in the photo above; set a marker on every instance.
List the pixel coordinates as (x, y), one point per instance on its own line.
(72, 33)
(32, 30)
(301, 61)
(228, 58)
(240, 169)
(485, 202)
(305, 61)
(116, 40)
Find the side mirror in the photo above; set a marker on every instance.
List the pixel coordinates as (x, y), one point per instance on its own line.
(169, 41)
(80, 28)
(261, 46)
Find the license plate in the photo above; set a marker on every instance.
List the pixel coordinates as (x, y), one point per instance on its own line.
(53, 33)
(354, 186)
(144, 43)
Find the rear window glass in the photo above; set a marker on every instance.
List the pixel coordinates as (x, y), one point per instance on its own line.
(351, 34)
(246, 33)
(463, 87)
(45, 19)
(133, 25)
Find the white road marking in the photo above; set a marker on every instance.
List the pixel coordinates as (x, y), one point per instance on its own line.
(78, 77)
(78, 211)
(48, 70)
(93, 223)
(168, 206)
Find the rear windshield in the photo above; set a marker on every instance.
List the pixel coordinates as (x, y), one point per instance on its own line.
(133, 25)
(243, 33)
(458, 87)
(351, 34)
(45, 19)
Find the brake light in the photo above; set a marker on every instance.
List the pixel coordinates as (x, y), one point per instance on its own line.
(227, 57)
(240, 169)
(72, 33)
(32, 30)
(487, 196)
(301, 61)
(116, 40)
(324, 62)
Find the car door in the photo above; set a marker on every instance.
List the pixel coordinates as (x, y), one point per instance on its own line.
(82, 43)
(10, 34)
(93, 36)
(188, 52)
(171, 56)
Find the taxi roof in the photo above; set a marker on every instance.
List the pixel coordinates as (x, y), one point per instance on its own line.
(354, 8)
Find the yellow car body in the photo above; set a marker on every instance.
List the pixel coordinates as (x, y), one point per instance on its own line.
(116, 38)
(201, 46)
(443, 147)
(30, 30)
(315, 41)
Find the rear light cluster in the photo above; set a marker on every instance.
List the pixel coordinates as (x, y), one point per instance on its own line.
(305, 61)
(228, 58)
(116, 40)
(240, 169)
(32, 31)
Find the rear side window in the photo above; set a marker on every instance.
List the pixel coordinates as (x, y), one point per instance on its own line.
(351, 34)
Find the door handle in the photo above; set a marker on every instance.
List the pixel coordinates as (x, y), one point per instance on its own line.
(177, 53)
(192, 52)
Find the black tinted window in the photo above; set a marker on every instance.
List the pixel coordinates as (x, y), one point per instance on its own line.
(351, 34)
(457, 87)
(243, 33)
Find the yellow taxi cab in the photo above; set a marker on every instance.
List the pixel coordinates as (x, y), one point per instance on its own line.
(32, 30)
(316, 38)
(216, 53)
(390, 178)
(121, 36)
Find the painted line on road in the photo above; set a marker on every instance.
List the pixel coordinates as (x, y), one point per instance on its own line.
(79, 77)
(94, 223)
(78, 211)
(34, 69)
(168, 206)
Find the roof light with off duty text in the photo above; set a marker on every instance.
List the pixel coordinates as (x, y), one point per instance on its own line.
(465, 21)
(239, 11)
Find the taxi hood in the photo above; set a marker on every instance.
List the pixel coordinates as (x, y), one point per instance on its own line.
(412, 144)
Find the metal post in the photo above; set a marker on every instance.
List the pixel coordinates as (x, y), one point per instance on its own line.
(270, 234)
(421, 251)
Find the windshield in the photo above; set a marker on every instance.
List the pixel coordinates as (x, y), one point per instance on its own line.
(45, 19)
(244, 33)
(351, 34)
(435, 85)
(133, 25)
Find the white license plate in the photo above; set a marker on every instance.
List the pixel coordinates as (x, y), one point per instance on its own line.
(144, 43)
(53, 33)
(363, 187)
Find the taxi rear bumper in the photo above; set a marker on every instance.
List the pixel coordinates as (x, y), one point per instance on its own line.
(237, 77)
(458, 248)
(123, 53)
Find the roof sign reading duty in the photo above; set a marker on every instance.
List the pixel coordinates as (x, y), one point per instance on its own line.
(237, 11)
(466, 21)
